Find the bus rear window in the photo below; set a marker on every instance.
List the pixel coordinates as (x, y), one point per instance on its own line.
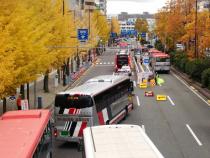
(162, 59)
(73, 101)
(122, 60)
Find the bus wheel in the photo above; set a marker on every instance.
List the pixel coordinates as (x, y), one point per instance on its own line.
(107, 122)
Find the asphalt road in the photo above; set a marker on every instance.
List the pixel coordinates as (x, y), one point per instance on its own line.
(179, 126)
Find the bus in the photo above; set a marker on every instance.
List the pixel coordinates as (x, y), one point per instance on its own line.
(160, 62)
(122, 58)
(26, 134)
(105, 99)
(117, 141)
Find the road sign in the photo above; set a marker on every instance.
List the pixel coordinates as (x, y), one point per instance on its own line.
(145, 60)
(161, 97)
(82, 34)
(143, 34)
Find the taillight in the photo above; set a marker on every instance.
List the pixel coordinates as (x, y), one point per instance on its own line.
(55, 132)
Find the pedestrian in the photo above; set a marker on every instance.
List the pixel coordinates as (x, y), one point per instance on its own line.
(19, 102)
(141, 61)
(156, 78)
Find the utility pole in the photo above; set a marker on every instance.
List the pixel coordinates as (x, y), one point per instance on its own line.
(89, 20)
(196, 33)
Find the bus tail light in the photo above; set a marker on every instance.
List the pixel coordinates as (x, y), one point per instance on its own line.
(55, 132)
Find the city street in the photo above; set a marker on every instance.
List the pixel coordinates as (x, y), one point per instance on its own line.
(176, 126)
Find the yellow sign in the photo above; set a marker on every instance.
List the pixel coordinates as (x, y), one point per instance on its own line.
(209, 101)
(143, 85)
(161, 97)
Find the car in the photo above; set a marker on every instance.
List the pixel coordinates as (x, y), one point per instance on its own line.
(179, 47)
(125, 70)
(149, 94)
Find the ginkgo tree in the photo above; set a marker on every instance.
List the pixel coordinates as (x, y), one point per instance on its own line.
(115, 26)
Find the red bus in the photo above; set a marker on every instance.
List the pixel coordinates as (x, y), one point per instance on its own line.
(160, 62)
(26, 134)
(122, 58)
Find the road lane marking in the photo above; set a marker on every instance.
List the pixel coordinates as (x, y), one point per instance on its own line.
(112, 62)
(143, 127)
(169, 98)
(193, 134)
(134, 83)
(105, 63)
(137, 69)
(148, 68)
(141, 67)
(137, 99)
(101, 63)
(108, 62)
(191, 90)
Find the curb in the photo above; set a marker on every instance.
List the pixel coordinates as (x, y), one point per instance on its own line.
(204, 91)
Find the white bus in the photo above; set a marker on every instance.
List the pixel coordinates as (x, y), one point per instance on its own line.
(101, 100)
(118, 141)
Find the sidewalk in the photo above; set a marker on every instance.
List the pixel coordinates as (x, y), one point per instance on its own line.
(204, 91)
(47, 98)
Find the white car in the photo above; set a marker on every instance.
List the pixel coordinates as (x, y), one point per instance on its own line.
(125, 70)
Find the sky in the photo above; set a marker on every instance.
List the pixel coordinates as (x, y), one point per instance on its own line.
(134, 6)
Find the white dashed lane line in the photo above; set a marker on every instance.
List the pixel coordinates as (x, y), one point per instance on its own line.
(193, 134)
(169, 98)
(138, 102)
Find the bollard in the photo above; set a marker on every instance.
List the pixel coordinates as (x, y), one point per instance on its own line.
(39, 102)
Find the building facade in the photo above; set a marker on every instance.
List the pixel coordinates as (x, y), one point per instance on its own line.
(203, 5)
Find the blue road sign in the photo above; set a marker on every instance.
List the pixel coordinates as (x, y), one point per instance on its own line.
(82, 34)
(143, 34)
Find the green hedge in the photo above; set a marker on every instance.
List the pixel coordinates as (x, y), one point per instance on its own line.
(196, 69)
(206, 78)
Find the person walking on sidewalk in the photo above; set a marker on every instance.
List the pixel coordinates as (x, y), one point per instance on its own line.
(19, 102)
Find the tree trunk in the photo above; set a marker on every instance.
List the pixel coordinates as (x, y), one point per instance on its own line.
(64, 74)
(22, 91)
(28, 95)
(4, 105)
(59, 76)
(46, 81)
(67, 67)
(34, 93)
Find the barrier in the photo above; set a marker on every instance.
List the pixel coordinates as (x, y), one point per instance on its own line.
(142, 85)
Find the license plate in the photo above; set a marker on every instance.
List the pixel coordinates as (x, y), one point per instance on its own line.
(64, 133)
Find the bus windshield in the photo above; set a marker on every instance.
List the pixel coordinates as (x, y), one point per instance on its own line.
(122, 60)
(73, 101)
(162, 60)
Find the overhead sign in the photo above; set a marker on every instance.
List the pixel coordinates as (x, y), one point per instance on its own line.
(143, 34)
(82, 34)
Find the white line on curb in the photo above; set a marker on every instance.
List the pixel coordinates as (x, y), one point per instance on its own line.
(193, 134)
(134, 83)
(191, 90)
(169, 98)
(137, 99)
